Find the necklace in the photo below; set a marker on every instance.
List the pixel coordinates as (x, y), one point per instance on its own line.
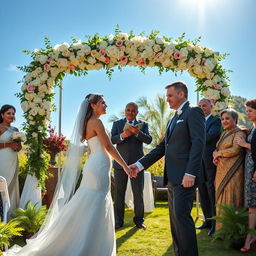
(4, 126)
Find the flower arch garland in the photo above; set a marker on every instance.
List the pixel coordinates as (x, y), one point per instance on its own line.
(49, 66)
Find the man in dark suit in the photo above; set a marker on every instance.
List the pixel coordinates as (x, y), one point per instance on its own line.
(183, 148)
(208, 169)
(130, 145)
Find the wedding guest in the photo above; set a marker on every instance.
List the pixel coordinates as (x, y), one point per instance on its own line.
(130, 145)
(250, 172)
(208, 169)
(8, 153)
(229, 159)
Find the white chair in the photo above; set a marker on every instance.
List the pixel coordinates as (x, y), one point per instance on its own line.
(5, 199)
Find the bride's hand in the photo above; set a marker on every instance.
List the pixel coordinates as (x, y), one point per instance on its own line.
(128, 171)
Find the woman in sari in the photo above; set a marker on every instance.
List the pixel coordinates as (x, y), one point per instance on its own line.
(229, 159)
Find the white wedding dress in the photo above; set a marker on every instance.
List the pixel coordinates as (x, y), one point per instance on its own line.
(9, 168)
(85, 226)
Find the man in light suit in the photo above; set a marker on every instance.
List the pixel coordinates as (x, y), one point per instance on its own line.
(183, 148)
(130, 145)
(208, 169)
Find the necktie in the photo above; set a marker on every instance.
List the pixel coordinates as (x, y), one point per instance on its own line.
(173, 121)
(130, 122)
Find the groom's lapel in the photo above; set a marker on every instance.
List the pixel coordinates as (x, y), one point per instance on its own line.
(170, 131)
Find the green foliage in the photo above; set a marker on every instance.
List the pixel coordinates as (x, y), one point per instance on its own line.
(157, 115)
(31, 218)
(238, 103)
(234, 224)
(157, 169)
(8, 230)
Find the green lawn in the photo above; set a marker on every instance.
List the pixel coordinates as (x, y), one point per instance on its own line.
(156, 239)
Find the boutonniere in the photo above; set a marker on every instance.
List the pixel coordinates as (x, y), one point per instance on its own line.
(179, 112)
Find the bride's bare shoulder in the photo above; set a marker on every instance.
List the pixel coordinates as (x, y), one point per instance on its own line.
(95, 122)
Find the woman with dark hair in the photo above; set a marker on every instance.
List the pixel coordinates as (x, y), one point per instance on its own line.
(83, 223)
(250, 172)
(8, 153)
(229, 159)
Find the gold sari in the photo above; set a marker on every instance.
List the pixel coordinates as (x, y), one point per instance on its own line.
(229, 181)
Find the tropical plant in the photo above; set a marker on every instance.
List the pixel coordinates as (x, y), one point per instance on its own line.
(234, 224)
(157, 114)
(31, 218)
(7, 231)
(157, 169)
(238, 103)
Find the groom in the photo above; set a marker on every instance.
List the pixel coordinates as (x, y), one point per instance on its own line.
(183, 147)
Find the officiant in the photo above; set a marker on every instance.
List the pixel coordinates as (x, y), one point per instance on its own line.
(129, 134)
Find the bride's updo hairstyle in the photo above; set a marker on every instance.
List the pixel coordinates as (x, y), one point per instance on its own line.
(92, 99)
(5, 108)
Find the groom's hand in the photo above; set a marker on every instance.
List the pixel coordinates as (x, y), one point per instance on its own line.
(188, 181)
(134, 171)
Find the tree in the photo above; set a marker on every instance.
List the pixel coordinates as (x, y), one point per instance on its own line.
(157, 114)
(238, 103)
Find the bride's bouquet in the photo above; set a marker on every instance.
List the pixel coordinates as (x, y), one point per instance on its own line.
(18, 137)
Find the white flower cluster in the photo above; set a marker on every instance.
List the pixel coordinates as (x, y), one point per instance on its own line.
(18, 137)
(121, 50)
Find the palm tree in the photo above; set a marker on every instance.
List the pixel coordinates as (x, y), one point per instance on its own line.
(157, 114)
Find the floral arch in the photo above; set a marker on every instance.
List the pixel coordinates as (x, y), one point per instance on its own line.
(50, 65)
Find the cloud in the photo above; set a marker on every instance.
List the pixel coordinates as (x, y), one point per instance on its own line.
(13, 68)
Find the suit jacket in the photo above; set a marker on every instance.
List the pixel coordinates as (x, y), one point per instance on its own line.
(213, 131)
(183, 146)
(131, 148)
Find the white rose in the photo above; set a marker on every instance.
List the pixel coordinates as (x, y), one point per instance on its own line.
(208, 52)
(86, 49)
(34, 111)
(80, 53)
(160, 40)
(43, 59)
(208, 83)
(66, 53)
(220, 105)
(210, 64)
(157, 48)
(225, 91)
(50, 82)
(34, 134)
(123, 36)
(41, 95)
(44, 77)
(63, 47)
(29, 96)
(25, 106)
(61, 62)
(37, 100)
(103, 45)
(91, 60)
(184, 52)
(77, 45)
(198, 49)
(41, 112)
(74, 61)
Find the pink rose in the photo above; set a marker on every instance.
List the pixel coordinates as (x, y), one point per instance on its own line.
(103, 52)
(107, 60)
(72, 67)
(177, 55)
(50, 59)
(213, 101)
(30, 88)
(46, 67)
(217, 86)
(119, 42)
(142, 62)
(124, 60)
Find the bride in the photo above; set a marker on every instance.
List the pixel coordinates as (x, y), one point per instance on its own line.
(84, 224)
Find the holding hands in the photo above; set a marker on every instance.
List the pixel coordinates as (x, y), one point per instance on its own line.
(131, 170)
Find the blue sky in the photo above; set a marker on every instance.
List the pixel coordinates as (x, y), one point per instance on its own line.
(226, 26)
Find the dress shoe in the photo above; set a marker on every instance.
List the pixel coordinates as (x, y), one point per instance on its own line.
(204, 225)
(211, 231)
(117, 226)
(141, 226)
(252, 242)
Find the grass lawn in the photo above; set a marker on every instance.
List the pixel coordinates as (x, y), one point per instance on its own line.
(156, 239)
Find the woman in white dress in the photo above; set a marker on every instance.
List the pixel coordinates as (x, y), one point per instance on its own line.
(83, 225)
(8, 154)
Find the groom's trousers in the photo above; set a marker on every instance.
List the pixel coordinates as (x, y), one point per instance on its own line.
(183, 231)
